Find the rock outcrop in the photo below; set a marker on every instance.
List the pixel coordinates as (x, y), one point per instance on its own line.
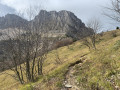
(12, 21)
(61, 21)
(55, 22)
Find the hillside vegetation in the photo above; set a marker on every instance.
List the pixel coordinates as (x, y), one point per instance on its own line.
(99, 70)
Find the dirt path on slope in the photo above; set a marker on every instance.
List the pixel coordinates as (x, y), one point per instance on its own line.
(70, 82)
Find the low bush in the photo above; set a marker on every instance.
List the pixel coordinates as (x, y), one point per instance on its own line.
(64, 42)
(27, 87)
(117, 27)
(113, 34)
(101, 34)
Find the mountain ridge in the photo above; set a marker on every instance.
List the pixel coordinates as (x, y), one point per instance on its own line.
(12, 21)
(52, 21)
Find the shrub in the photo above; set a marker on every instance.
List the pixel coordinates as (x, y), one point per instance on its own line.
(114, 34)
(101, 34)
(64, 42)
(111, 73)
(117, 27)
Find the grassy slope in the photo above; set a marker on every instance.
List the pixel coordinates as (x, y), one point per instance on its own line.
(100, 64)
(102, 68)
(66, 54)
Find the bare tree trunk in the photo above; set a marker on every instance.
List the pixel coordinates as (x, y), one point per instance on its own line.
(22, 75)
(93, 39)
(40, 66)
(58, 60)
(28, 68)
(33, 65)
(16, 70)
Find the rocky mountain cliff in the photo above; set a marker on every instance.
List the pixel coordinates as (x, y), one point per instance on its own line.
(61, 21)
(12, 21)
(57, 22)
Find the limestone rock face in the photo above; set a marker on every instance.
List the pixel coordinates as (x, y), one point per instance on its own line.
(61, 21)
(56, 22)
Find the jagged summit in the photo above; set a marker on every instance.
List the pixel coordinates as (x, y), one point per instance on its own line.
(53, 21)
(61, 21)
(12, 21)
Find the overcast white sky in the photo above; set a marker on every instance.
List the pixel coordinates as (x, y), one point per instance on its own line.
(83, 9)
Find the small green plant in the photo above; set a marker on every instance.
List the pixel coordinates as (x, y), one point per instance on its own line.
(94, 86)
(117, 45)
(111, 73)
(27, 87)
(59, 84)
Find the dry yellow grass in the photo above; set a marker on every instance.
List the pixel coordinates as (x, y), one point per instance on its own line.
(66, 55)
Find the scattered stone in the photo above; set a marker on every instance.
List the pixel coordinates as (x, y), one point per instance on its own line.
(68, 86)
(70, 80)
(113, 56)
(113, 82)
(118, 76)
(117, 87)
(65, 81)
(112, 76)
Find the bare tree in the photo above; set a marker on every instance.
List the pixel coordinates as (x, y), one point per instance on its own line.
(26, 51)
(95, 25)
(86, 42)
(113, 10)
(12, 52)
(25, 48)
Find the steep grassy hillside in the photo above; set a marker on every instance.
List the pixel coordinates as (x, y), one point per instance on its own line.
(100, 69)
(51, 67)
